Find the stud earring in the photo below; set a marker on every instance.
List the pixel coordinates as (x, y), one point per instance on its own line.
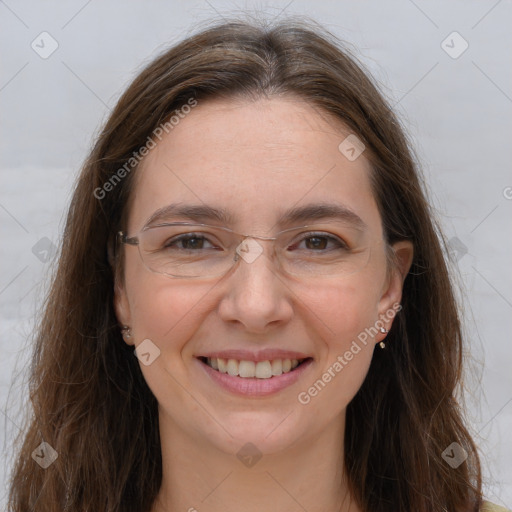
(383, 331)
(126, 331)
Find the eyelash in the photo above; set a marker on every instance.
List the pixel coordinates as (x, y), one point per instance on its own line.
(341, 244)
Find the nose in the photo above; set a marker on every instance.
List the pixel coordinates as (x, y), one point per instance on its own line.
(255, 294)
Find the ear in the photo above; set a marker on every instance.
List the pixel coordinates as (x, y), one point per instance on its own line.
(122, 307)
(403, 252)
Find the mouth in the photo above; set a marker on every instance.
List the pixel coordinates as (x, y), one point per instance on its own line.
(263, 370)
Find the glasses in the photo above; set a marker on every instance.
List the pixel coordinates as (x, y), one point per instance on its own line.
(185, 250)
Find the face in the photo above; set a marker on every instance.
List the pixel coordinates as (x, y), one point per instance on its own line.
(258, 160)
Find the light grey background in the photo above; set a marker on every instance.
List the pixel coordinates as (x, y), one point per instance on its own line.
(457, 110)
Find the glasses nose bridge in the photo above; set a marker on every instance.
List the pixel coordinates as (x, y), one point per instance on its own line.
(249, 247)
(265, 238)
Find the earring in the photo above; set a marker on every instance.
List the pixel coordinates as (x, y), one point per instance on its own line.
(126, 331)
(383, 331)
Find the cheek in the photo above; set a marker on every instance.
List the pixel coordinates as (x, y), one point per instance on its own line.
(167, 313)
(344, 308)
(344, 315)
(336, 384)
(162, 309)
(166, 310)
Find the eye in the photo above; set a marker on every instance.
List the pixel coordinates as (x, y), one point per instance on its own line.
(318, 242)
(188, 242)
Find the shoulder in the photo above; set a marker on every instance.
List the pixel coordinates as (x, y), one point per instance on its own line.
(487, 506)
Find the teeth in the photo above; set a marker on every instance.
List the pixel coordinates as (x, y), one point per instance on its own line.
(232, 367)
(221, 363)
(263, 370)
(250, 369)
(247, 368)
(277, 367)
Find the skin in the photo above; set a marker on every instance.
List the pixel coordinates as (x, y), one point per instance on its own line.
(256, 159)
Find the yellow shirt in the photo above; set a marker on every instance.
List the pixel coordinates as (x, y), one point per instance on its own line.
(491, 507)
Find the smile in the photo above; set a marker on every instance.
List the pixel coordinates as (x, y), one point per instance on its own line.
(250, 369)
(251, 378)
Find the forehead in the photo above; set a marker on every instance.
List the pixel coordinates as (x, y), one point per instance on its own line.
(256, 160)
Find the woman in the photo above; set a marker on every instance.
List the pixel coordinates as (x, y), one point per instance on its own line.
(251, 225)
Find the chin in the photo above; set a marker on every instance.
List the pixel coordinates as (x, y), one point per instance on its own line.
(268, 433)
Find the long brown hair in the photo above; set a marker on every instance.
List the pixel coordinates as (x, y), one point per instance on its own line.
(90, 401)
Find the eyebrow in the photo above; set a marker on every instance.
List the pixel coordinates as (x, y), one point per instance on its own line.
(203, 212)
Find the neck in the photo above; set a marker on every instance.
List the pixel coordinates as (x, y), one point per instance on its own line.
(197, 476)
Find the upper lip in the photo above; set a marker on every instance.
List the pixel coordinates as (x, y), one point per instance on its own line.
(263, 355)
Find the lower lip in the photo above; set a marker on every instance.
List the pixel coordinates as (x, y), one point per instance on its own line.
(254, 387)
